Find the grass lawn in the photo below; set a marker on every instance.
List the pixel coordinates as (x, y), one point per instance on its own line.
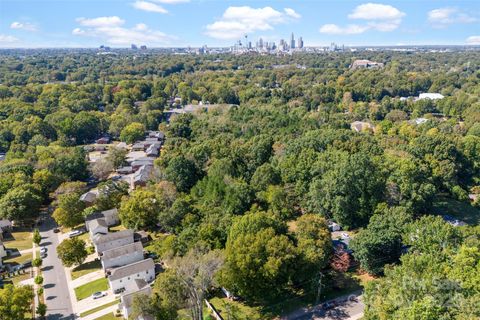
(109, 316)
(21, 239)
(86, 290)
(117, 228)
(19, 278)
(457, 209)
(86, 313)
(18, 259)
(235, 310)
(86, 268)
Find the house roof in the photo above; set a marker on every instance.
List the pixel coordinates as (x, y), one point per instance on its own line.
(121, 251)
(103, 238)
(136, 267)
(92, 224)
(142, 287)
(142, 174)
(89, 196)
(110, 212)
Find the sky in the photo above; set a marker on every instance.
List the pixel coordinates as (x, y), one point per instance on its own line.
(182, 23)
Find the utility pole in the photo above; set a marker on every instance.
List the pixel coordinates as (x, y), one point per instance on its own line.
(319, 288)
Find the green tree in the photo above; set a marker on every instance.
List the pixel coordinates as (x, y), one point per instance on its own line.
(140, 210)
(69, 212)
(15, 302)
(259, 260)
(41, 309)
(37, 238)
(314, 245)
(72, 252)
(381, 242)
(37, 262)
(20, 204)
(349, 191)
(132, 132)
(38, 280)
(182, 172)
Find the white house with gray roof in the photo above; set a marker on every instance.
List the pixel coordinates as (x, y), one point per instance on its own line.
(122, 256)
(103, 242)
(97, 226)
(123, 278)
(126, 300)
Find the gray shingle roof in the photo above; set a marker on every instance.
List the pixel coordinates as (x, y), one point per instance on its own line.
(123, 250)
(100, 238)
(137, 267)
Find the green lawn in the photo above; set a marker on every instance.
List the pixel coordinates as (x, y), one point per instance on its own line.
(109, 316)
(86, 268)
(117, 228)
(21, 240)
(458, 209)
(86, 290)
(18, 259)
(235, 310)
(86, 313)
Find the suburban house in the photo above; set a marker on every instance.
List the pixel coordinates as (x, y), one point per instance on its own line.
(5, 224)
(110, 216)
(103, 242)
(141, 177)
(97, 226)
(126, 300)
(122, 256)
(366, 64)
(360, 126)
(3, 252)
(123, 278)
(430, 96)
(89, 197)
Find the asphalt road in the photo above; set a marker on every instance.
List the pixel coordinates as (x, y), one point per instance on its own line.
(56, 291)
(343, 310)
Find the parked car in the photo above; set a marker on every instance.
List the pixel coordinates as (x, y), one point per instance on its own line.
(118, 291)
(56, 230)
(43, 255)
(75, 233)
(43, 250)
(99, 294)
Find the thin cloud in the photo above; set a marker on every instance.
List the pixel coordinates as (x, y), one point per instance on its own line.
(171, 1)
(442, 17)
(379, 17)
(112, 31)
(149, 7)
(238, 21)
(23, 26)
(6, 39)
(473, 40)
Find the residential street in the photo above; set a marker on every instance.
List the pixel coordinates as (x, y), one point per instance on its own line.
(344, 310)
(56, 291)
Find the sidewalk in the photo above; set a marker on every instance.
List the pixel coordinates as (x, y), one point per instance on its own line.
(100, 313)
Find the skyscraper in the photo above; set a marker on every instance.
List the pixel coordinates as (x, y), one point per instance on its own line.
(300, 43)
(292, 42)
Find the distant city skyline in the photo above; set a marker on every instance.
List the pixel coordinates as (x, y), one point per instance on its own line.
(195, 23)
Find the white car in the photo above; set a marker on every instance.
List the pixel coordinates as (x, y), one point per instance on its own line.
(43, 250)
(99, 294)
(74, 233)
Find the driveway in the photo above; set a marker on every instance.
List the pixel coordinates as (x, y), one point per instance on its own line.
(344, 310)
(56, 291)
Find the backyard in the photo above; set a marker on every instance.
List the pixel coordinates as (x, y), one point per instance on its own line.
(86, 268)
(19, 239)
(458, 209)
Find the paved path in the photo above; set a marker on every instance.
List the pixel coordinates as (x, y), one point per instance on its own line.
(100, 313)
(56, 290)
(344, 310)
